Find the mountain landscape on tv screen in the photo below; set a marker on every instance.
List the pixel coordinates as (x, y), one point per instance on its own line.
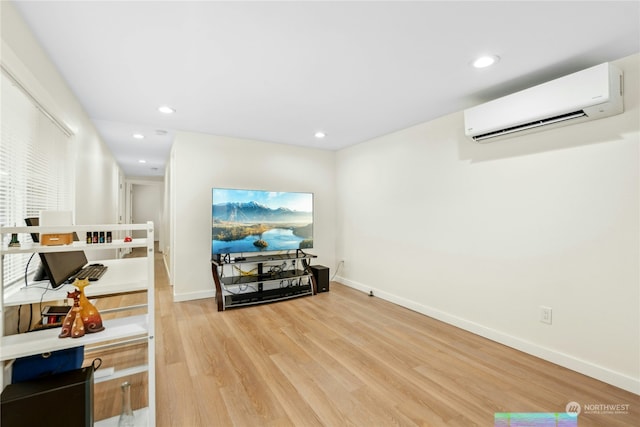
(251, 226)
(251, 212)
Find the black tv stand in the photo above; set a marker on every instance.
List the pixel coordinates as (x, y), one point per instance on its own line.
(223, 257)
(272, 277)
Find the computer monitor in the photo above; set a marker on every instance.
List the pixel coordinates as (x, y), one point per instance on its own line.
(57, 266)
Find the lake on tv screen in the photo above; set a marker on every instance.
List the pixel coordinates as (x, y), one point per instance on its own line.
(278, 239)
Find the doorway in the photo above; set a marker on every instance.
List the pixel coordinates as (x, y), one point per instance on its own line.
(146, 202)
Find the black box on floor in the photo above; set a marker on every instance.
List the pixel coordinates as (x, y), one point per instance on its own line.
(321, 275)
(60, 400)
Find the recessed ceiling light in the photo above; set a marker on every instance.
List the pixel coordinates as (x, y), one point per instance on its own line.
(166, 109)
(320, 135)
(485, 61)
(138, 136)
(142, 161)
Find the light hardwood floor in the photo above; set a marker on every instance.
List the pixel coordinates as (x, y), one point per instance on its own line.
(343, 358)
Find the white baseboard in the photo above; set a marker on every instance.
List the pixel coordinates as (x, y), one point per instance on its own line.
(601, 373)
(195, 295)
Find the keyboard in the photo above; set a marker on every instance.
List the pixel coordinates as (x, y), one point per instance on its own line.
(92, 272)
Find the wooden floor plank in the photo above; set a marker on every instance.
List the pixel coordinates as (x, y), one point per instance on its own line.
(342, 358)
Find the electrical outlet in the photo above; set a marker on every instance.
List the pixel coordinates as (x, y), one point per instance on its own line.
(545, 314)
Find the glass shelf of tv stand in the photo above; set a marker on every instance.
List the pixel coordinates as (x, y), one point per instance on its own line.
(260, 292)
(257, 259)
(263, 278)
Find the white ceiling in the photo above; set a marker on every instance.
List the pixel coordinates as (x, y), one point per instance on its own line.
(280, 71)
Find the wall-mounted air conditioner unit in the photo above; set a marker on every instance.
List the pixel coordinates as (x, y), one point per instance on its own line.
(590, 94)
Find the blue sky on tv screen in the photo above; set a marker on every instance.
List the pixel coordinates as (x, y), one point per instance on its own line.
(301, 202)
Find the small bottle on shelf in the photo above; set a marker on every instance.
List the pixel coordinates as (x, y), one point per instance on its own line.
(14, 243)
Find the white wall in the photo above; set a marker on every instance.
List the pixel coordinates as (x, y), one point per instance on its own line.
(481, 235)
(96, 173)
(147, 201)
(200, 162)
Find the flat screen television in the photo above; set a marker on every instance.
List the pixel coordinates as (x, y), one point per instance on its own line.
(260, 221)
(57, 267)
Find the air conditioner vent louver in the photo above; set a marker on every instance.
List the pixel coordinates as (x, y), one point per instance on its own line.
(531, 125)
(589, 94)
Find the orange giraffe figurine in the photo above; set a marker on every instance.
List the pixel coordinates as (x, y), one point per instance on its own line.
(90, 315)
(67, 323)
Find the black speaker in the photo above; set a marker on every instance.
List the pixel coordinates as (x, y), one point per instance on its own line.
(321, 275)
(60, 400)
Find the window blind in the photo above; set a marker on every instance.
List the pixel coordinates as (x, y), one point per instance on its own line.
(35, 167)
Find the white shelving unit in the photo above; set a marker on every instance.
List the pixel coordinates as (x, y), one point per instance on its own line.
(122, 276)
